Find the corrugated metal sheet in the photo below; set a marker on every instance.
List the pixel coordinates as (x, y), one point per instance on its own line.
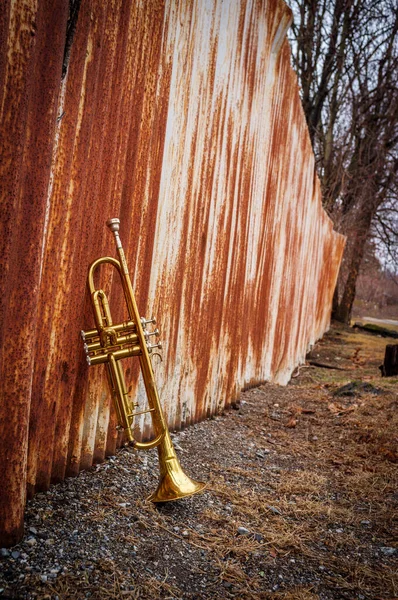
(183, 119)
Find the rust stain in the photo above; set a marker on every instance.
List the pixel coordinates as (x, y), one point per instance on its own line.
(183, 119)
(28, 112)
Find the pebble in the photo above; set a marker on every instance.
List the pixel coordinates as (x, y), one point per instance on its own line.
(339, 530)
(89, 543)
(15, 554)
(275, 510)
(31, 541)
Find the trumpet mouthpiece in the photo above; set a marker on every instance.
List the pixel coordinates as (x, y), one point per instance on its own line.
(113, 224)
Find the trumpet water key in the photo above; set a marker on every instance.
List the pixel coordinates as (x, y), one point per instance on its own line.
(108, 344)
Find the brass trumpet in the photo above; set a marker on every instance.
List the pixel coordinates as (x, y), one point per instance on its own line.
(108, 344)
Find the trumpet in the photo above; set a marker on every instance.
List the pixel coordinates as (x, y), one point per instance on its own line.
(108, 344)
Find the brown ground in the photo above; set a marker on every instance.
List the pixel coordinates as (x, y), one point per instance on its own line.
(311, 477)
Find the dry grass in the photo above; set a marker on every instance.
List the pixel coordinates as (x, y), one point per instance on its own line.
(312, 476)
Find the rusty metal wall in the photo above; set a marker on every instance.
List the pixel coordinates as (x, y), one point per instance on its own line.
(182, 118)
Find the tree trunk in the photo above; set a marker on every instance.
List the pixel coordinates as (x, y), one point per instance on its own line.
(344, 310)
(335, 302)
(390, 365)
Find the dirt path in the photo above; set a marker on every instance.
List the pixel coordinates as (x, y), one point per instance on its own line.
(384, 322)
(301, 501)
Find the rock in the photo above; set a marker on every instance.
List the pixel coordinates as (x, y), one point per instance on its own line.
(258, 537)
(33, 530)
(49, 542)
(43, 578)
(275, 416)
(32, 541)
(388, 551)
(227, 584)
(243, 531)
(4, 553)
(275, 510)
(15, 554)
(356, 388)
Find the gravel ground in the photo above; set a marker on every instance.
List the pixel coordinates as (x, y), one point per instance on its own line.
(300, 501)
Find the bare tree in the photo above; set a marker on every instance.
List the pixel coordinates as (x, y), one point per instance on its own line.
(346, 56)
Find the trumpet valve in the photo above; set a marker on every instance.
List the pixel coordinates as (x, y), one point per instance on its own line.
(113, 224)
(145, 321)
(152, 346)
(148, 334)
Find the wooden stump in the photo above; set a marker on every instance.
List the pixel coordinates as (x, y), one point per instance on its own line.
(390, 365)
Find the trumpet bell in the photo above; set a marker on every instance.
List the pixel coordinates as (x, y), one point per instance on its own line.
(173, 482)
